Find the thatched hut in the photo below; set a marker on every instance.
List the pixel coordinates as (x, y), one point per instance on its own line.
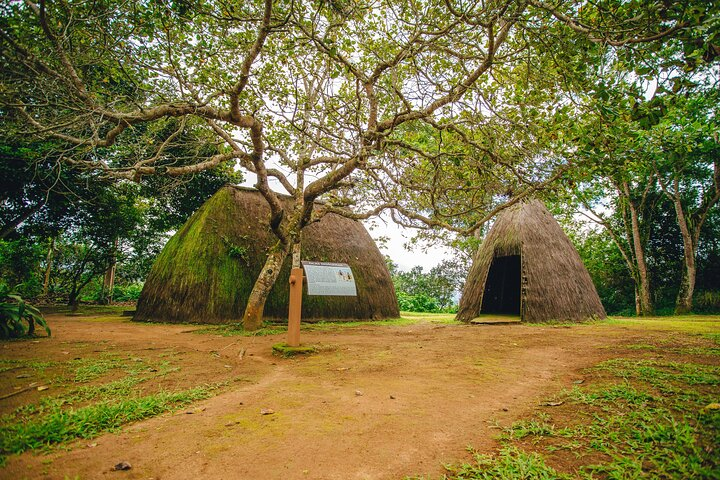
(527, 266)
(207, 269)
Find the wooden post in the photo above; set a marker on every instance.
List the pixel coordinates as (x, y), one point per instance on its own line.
(295, 307)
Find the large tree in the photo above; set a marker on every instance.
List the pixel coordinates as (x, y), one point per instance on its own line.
(358, 103)
(685, 153)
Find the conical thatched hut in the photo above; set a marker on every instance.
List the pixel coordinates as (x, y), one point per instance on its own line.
(527, 266)
(207, 269)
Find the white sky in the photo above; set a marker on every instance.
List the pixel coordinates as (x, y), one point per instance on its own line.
(397, 237)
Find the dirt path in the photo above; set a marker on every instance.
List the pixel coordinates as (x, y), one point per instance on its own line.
(378, 402)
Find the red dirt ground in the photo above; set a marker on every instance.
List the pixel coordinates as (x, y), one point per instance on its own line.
(377, 402)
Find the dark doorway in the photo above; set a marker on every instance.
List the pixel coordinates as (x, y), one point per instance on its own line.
(502, 288)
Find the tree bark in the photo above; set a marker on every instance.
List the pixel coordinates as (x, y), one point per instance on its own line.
(690, 224)
(48, 267)
(253, 316)
(109, 277)
(10, 227)
(644, 300)
(684, 302)
(109, 283)
(644, 304)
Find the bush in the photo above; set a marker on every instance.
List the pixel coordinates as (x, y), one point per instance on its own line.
(15, 313)
(707, 302)
(121, 293)
(417, 303)
(127, 293)
(19, 266)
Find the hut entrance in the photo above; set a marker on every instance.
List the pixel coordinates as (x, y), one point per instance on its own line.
(502, 287)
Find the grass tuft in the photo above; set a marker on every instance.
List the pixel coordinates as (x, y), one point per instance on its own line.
(60, 426)
(637, 418)
(509, 463)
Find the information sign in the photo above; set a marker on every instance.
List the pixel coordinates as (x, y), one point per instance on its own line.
(333, 279)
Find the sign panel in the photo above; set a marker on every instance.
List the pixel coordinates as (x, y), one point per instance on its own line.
(334, 279)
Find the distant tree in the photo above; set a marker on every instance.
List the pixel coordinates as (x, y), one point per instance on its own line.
(433, 291)
(685, 153)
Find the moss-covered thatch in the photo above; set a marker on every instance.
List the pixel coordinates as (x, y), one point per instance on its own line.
(527, 263)
(207, 269)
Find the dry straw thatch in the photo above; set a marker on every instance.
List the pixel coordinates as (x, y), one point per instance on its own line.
(553, 283)
(207, 269)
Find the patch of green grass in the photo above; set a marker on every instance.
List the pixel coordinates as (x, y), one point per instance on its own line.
(391, 322)
(509, 463)
(695, 324)
(236, 329)
(715, 337)
(86, 370)
(710, 351)
(82, 410)
(682, 350)
(616, 395)
(662, 374)
(638, 418)
(107, 391)
(656, 434)
(641, 346)
(87, 310)
(286, 350)
(430, 317)
(524, 428)
(87, 422)
(10, 364)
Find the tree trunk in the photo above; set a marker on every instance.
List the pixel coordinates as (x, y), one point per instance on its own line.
(684, 302)
(73, 300)
(253, 316)
(48, 267)
(645, 299)
(644, 305)
(109, 278)
(6, 230)
(109, 284)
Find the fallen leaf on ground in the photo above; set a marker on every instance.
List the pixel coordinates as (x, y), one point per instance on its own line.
(267, 411)
(42, 388)
(551, 404)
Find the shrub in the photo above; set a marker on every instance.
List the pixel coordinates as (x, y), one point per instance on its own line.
(127, 293)
(707, 302)
(15, 313)
(417, 303)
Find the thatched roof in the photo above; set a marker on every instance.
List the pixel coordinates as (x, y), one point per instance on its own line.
(553, 283)
(207, 269)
